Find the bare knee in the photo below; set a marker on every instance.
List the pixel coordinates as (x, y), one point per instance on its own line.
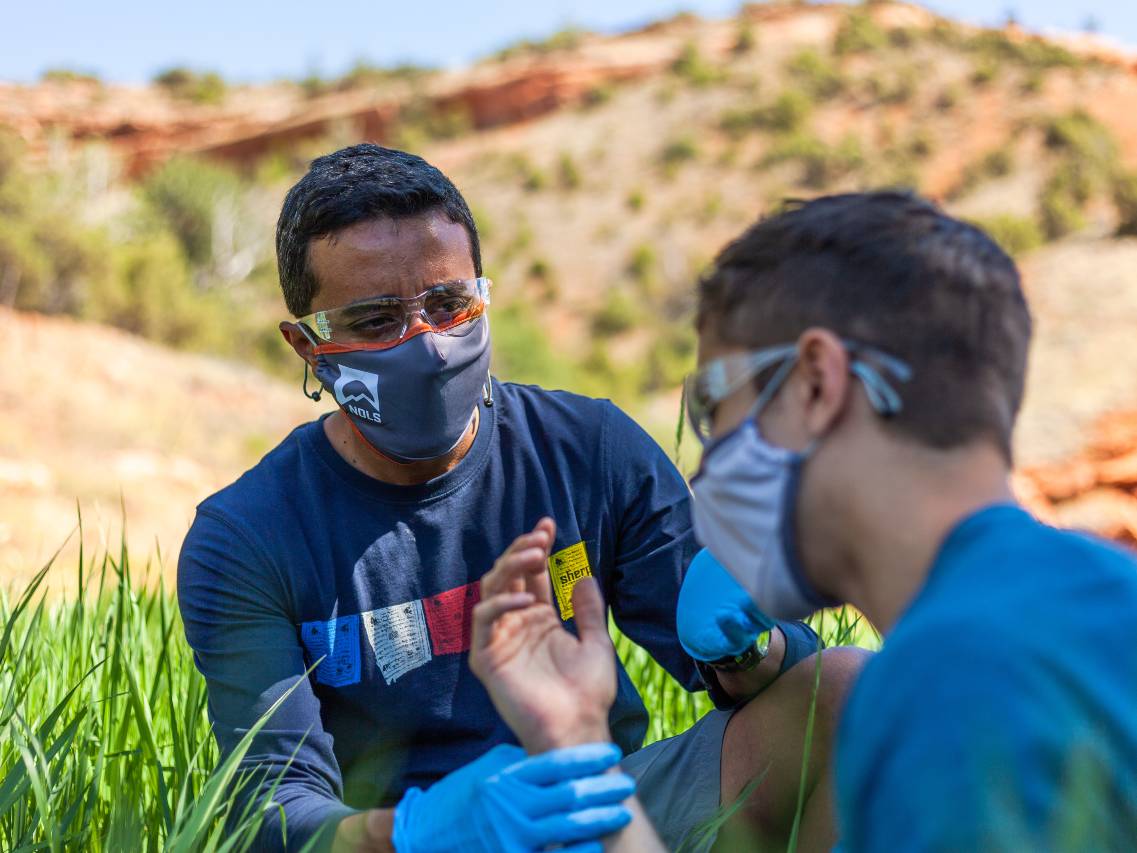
(768, 736)
(840, 668)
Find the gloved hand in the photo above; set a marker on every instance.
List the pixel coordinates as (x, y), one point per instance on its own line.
(715, 617)
(505, 801)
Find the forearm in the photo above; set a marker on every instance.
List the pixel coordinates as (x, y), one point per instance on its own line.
(366, 832)
(639, 835)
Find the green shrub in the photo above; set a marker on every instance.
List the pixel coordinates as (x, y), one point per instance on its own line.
(997, 163)
(521, 351)
(1061, 203)
(690, 65)
(1125, 199)
(567, 39)
(364, 74)
(568, 174)
(949, 98)
(1082, 136)
(858, 33)
(984, 72)
(670, 358)
(635, 200)
(816, 75)
(1016, 234)
(617, 314)
(598, 95)
(820, 163)
(745, 39)
(531, 178)
(69, 75)
(789, 113)
(642, 263)
(186, 193)
(189, 85)
(895, 86)
(421, 121)
(678, 151)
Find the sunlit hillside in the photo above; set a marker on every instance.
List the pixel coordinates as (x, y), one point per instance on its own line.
(605, 172)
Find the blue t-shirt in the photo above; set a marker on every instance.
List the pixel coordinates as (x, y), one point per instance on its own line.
(1002, 711)
(305, 557)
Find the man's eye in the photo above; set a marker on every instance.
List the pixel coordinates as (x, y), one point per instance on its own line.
(376, 322)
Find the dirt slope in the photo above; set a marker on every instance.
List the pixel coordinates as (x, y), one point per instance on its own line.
(93, 415)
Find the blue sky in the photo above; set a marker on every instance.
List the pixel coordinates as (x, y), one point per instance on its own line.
(256, 40)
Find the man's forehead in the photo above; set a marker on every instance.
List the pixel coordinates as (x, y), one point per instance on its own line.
(396, 256)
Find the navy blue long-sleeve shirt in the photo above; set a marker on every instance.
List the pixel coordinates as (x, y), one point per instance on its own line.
(305, 557)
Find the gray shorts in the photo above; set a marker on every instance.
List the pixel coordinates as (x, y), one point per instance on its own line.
(677, 780)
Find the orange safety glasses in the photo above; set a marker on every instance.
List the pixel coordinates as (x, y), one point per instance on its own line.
(386, 321)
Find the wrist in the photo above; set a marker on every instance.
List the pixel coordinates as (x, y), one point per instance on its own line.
(581, 732)
(365, 832)
(745, 685)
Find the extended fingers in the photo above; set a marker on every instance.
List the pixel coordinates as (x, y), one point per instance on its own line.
(606, 789)
(523, 565)
(583, 825)
(570, 762)
(588, 610)
(488, 611)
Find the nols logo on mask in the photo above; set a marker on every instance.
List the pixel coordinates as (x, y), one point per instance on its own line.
(358, 386)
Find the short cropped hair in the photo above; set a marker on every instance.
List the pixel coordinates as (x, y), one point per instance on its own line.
(353, 185)
(891, 270)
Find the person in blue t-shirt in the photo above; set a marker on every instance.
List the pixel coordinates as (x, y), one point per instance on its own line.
(356, 549)
(862, 362)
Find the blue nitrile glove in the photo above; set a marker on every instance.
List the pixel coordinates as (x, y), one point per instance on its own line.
(505, 801)
(715, 617)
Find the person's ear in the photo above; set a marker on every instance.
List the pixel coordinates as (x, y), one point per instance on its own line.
(298, 341)
(824, 364)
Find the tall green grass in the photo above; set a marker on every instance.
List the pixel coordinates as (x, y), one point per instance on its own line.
(104, 739)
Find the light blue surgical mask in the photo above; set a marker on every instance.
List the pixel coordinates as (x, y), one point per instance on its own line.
(746, 490)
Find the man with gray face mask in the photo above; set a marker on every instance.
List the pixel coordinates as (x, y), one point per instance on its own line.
(362, 543)
(862, 361)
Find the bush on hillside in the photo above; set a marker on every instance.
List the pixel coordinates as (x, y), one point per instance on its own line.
(567, 39)
(617, 314)
(678, 151)
(1125, 199)
(690, 65)
(189, 85)
(1017, 235)
(821, 164)
(1061, 203)
(820, 78)
(187, 194)
(859, 33)
(568, 173)
(789, 113)
(1080, 135)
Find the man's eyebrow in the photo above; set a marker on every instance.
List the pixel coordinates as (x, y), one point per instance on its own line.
(364, 305)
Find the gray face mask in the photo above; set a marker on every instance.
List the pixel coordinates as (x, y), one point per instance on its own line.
(746, 496)
(413, 401)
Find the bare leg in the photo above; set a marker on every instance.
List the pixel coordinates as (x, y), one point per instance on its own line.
(769, 732)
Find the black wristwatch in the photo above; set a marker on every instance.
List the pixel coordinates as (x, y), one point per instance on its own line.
(748, 659)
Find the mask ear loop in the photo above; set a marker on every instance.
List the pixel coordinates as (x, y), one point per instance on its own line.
(487, 389)
(314, 396)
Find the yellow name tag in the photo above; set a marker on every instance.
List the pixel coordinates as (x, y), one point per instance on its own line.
(566, 567)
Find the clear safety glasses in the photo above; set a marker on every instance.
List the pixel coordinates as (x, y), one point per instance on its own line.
(385, 321)
(709, 386)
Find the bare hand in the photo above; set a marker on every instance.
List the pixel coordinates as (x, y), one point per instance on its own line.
(552, 688)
